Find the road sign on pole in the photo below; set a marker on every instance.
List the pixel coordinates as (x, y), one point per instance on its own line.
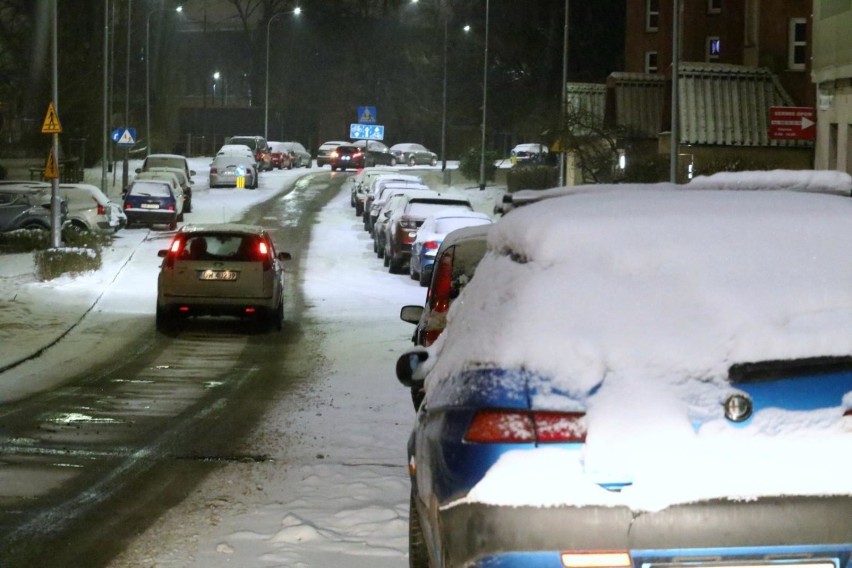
(366, 115)
(366, 131)
(124, 137)
(792, 123)
(51, 123)
(51, 171)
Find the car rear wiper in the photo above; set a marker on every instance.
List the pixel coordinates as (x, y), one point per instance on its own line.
(780, 368)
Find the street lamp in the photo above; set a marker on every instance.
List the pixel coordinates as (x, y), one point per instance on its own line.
(296, 12)
(216, 76)
(484, 101)
(179, 9)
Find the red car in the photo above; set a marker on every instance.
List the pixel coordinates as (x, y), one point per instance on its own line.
(280, 156)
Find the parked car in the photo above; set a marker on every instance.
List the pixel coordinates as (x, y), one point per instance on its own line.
(380, 187)
(346, 156)
(431, 234)
(89, 209)
(414, 154)
(227, 168)
(259, 146)
(376, 153)
(455, 264)
(361, 187)
(153, 202)
(393, 196)
(166, 161)
(299, 156)
(642, 379)
(221, 270)
(185, 183)
(236, 149)
(405, 219)
(280, 156)
(529, 153)
(173, 179)
(26, 205)
(325, 150)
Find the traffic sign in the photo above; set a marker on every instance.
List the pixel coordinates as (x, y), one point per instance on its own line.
(51, 121)
(367, 115)
(124, 137)
(50, 169)
(792, 123)
(366, 132)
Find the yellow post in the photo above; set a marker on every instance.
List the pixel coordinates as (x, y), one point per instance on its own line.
(241, 182)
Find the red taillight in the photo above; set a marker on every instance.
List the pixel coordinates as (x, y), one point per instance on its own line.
(127, 206)
(848, 412)
(171, 207)
(514, 427)
(174, 251)
(357, 155)
(101, 209)
(439, 295)
(214, 170)
(429, 336)
(431, 245)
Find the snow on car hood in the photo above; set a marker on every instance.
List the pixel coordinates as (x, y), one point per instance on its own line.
(654, 295)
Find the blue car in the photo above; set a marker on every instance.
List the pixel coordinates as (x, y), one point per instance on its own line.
(431, 234)
(152, 202)
(642, 379)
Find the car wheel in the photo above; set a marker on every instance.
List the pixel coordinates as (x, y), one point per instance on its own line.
(163, 320)
(276, 317)
(359, 209)
(412, 162)
(418, 555)
(385, 258)
(393, 161)
(173, 225)
(434, 162)
(394, 264)
(411, 272)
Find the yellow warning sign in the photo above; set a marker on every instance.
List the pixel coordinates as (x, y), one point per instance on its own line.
(51, 121)
(50, 169)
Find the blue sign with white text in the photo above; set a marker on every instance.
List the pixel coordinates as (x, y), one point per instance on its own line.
(366, 131)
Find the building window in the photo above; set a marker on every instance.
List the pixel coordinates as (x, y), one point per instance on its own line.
(714, 48)
(652, 15)
(714, 6)
(651, 62)
(798, 43)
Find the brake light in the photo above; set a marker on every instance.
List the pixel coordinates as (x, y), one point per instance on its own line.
(265, 255)
(171, 207)
(439, 295)
(174, 251)
(430, 336)
(264, 250)
(100, 207)
(431, 245)
(514, 426)
(214, 170)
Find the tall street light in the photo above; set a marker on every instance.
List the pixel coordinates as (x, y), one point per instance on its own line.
(148, 73)
(296, 12)
(484, 101)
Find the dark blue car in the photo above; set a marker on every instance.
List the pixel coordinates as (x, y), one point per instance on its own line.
(642, 379)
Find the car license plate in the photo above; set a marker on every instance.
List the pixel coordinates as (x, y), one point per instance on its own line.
(150, 206)
(223, 275)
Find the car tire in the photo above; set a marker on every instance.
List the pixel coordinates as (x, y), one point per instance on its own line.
(163, 320)
(173, 225)
(418, 555)
(412, 162)
(394, 264)
(434, 162)
(393, 162)
(385, 258)
(276, 317)
(424, 278)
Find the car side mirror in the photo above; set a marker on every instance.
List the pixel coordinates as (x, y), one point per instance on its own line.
(192, 172)
(408, 363)
(138, 170)
(163, 253)
(285, 256)
(411, 314)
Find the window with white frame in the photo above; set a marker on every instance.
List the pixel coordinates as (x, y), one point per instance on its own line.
(652, 15)
(651, 62)
(798, 44)
(714, 6)
(714, 48)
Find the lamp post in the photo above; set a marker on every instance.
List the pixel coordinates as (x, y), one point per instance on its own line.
(484, 101)
(444, 100)
(148, 74)
(216, 76)
(296, 12)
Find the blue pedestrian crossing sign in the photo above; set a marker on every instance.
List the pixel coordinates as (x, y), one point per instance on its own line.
(124, 137)
(367, 115)
(366, 131)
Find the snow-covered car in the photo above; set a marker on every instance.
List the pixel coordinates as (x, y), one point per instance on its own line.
(414, 154)
(221, 270)
(280, 156)
(166, 161)
(642, 378)
(89, 209)
(299, 156)
(26, 205)
(184, 180)
(226, 169)
(173, 178)
(528, 153)
(379, 191)
(431, 234)
(259, 147)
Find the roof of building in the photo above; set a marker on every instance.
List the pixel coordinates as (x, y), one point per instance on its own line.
(639, 99)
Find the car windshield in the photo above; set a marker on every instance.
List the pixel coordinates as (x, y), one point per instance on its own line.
(150, 189)
(224, 246)
(163, 162)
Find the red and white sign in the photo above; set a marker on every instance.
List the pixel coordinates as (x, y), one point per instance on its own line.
(792, 123)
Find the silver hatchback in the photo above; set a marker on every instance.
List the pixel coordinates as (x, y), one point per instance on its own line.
(221, 270)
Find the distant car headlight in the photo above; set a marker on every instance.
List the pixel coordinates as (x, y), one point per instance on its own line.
(738, 408)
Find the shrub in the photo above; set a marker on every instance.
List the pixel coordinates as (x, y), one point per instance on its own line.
(54, 262)
(24, 240)
(531, 176)
(471, 161)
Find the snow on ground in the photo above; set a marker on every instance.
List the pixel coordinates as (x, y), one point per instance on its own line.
(335, 489)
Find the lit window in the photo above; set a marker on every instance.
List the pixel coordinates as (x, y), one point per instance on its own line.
(714, 6)
(798, 43)
(651, 62)
(714, 48)
(652, 15)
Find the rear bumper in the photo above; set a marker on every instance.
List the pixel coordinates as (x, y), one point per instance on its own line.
(475, 533)
(198, 306)
(150, 217)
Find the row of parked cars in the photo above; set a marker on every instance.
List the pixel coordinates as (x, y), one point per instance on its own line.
(342, 155)
(636, 376)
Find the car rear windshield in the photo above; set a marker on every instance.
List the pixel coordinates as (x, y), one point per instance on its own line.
(225, 246)
(150, 189)
(163, 162)
(347, 149)
(250, 142)
(424, 209)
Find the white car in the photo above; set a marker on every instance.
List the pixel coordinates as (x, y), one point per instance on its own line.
(226, 169)
(221, 270)
(89, 209)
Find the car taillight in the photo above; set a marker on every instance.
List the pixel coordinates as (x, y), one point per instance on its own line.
(431, 245)
(174, 251)
(101, 209)
(429, 336)
(442, 286)
(213, 170)
(127, 206)
(171, 207)
(357, 154)
(514, 426)
(263, 250)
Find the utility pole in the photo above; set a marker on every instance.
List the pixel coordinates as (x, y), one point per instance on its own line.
(484, 101)
(125, 175)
